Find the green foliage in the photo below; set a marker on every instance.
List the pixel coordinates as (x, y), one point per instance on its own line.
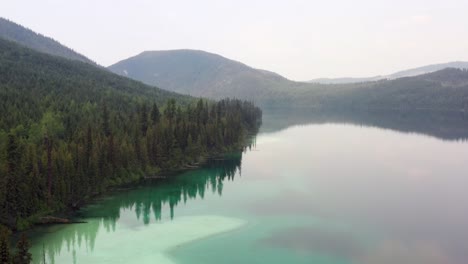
(72, 130)
(51, 125)
(155, 114)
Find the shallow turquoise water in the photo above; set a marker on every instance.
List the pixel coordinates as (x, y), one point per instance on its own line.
(319, 193)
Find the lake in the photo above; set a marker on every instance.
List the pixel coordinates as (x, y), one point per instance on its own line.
(314, 187)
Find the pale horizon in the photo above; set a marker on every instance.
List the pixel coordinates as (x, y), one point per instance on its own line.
(300, 40)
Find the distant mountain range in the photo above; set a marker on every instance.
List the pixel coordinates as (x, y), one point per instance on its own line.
(204, 74)
(209, 75)
(26, 37)
(400, 74)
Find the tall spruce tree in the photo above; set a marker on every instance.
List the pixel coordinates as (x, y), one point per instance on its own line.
(22, 255)
(155, 114)
(5, 257)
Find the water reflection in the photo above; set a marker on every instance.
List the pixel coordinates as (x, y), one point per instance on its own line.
(146, 201)
(149, 197)
(331, 242)
(446, 125)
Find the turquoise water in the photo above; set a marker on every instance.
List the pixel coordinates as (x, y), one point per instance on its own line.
(318, 193)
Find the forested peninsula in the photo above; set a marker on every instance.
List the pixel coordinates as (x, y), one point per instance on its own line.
(70, 130)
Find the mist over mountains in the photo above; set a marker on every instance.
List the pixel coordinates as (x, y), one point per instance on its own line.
(400, 74)
(14, 32)
(200, 73)
(203, 74)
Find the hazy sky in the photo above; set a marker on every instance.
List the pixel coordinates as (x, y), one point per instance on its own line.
(297, 38)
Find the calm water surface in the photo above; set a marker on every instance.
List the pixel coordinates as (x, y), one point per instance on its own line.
(326, 192)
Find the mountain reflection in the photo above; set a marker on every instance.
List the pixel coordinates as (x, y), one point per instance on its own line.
(147, 200)
(445, 125)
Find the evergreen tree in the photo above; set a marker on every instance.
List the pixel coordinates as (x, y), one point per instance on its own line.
(191, 148)
(22, 255)
(4, 247)
(89, 145)
(105, 120)
(170, 111)
(144, 119)
(13, 154)
(155, 114)
(13, 198)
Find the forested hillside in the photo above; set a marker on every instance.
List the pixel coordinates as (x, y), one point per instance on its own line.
(442, 90)
(200, 73)
(26, 37)
(69, 130)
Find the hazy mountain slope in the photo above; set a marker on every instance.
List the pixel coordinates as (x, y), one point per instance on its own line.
(444, 90)
(345, 80)
(400, 74)
(201, 73)
(205, 74)
(26, 70)
(26, 37)
(429, 69)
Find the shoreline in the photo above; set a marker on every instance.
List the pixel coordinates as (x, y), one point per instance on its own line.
(68, 215)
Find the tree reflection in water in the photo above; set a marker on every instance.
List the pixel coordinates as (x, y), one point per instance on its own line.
(147, 199)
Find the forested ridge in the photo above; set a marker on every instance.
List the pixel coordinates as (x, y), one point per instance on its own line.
(209, 75)
(69, 130)
(446, 89)
(200, 73)
(14, 32)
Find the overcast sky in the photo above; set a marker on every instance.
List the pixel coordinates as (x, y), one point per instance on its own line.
(296, 38)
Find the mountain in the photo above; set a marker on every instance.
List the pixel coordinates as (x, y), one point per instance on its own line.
(446, 89)
(400, 74)
(429, 69)
(25, 67)
(205, 74)
(200, 73)
(26, 37)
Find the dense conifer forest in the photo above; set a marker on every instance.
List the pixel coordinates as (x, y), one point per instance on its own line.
(70, 130)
